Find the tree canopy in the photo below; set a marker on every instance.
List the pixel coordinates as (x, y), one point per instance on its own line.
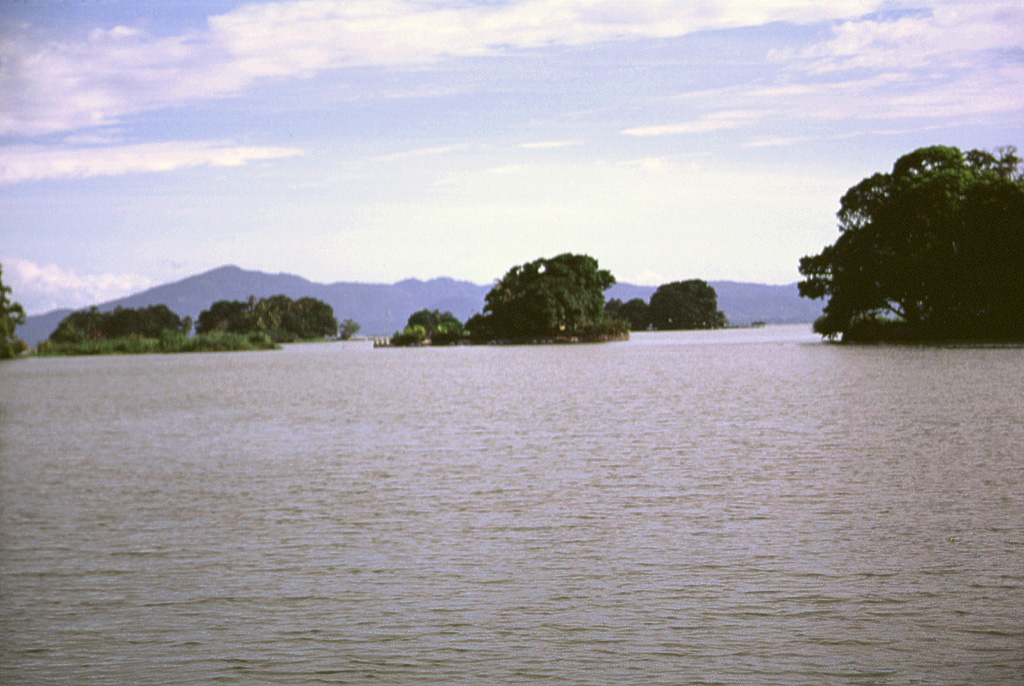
(635, 311)
(11, 315)
(931, 250)
(429, 326)
(280, 317)
(93, 325)
(689, 304)
(560, 298)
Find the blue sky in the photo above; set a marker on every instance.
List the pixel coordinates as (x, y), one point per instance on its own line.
(375, 140)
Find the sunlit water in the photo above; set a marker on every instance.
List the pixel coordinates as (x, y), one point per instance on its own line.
(735, 507)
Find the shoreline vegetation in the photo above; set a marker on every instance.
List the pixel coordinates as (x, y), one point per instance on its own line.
(927, 253)
(228, 326)
(168, 342)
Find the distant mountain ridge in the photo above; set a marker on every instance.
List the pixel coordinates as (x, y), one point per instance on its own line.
(382, 309)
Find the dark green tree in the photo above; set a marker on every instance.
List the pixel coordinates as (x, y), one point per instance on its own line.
(557, 298)
(145, 322)
(930, 250)
(279, 317)
(347, 329)
(689, 304)
(433, 321)
(635, 311)
(225, 316)
(11, 316)
(80, 326)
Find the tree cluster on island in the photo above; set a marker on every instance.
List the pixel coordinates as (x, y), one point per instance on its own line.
(561, 299)
(429, 327)
(931, 251)
(691, 304)
(228, 325)
(279, 317)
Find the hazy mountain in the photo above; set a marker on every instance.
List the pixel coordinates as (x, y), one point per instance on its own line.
(382, 309)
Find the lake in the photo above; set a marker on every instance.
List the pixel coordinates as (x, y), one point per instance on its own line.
(729, 507)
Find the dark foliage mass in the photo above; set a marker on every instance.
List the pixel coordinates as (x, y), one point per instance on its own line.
(429, 326)
(689, 304)
(558, 298)
(93, 325)
(635, 311)
(930, 251)
(11, 315)
(279, 317)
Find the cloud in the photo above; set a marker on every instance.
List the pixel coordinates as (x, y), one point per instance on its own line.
(421, 152)
(54, 84)
(45, 287)
(955, 35)
(549, 145)
(32, 163)
(710, 122)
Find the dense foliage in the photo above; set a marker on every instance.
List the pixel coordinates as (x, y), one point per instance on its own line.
(689, 304)
(559, 298)
(429, 326)
(11, 315)
(931, 250)
(635, 311)
(279, 317)
(169, 341)
(347, 329)
(93, 325)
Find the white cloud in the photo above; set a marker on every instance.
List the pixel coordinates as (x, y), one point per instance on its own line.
(421, 152)
(65, 84)
(711, 122)
(549, 145)
(954, 35)
(45, 287)
(30, 163)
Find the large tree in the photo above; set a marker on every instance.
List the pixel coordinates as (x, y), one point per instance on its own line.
(689, 304)
(11, 315)
(550, 298)
(123, 322)
(929, 250)
(635, 311)
(278, 316)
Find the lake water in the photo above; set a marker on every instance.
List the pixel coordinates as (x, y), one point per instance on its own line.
(731, 507)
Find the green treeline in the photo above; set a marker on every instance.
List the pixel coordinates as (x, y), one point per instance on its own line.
(282, 319)
(168, 342)
(228, 325)
(930, 251)
(689, 304)
(430, 327)
(561, 299)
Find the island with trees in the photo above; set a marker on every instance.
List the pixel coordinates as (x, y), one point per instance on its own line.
(928, 252)
(679, 305)
(256, 324)
(561, 300)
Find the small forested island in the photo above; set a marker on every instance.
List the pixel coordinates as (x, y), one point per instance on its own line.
(691, 304)
(930, 252)
(561, 300)
(256, 324)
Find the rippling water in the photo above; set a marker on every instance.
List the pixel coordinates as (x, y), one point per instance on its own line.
(734, 507)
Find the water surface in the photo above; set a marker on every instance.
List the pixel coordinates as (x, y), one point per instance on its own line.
(734, 507)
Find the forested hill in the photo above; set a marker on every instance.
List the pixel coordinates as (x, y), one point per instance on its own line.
(382, 309)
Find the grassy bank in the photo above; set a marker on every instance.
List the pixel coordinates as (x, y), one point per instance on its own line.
(169, 342)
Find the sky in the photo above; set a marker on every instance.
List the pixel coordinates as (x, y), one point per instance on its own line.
(142, 142)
